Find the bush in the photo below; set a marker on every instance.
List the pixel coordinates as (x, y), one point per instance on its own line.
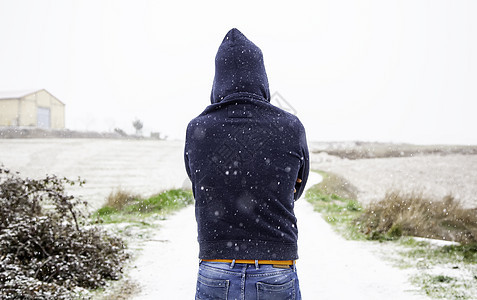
(120, 198)
(414, 215)
(46, 249)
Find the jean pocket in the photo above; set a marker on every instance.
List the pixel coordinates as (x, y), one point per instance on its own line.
(284, 291)
(211, 289)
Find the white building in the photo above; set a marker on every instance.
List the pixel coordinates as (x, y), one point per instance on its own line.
(33, 108)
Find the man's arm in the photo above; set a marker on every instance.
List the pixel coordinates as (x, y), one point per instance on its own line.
(186, 154)
(186, 161)
(304, 169)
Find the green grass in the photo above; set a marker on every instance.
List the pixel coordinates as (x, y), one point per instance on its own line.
(441, 272)
(137, 210)
(331, 198)
(164, 202)
(445, 287)
(450, 254)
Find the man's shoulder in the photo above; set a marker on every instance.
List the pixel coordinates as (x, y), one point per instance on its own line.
(258, 110)
(286, 117)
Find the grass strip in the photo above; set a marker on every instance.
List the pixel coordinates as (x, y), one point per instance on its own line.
(335, 199)
(125, 207)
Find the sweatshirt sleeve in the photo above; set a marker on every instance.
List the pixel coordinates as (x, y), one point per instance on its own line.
(186, 154)
(186, 160)
(305, 166)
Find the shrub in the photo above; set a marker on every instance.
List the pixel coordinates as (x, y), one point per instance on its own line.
(46, 249)
(120, 198)
(414, 215)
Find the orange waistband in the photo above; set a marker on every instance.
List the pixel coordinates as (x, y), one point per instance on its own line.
(251, 261)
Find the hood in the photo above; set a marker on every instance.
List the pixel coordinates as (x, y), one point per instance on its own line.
(239, 68)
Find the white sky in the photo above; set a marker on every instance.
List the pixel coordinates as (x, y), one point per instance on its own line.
(401, 71)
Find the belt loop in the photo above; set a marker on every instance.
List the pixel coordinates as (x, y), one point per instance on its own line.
(232, 264)
(256, 264)
(200, 261)
(294, 266)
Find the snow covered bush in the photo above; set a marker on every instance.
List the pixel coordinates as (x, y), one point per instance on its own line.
(46, 249)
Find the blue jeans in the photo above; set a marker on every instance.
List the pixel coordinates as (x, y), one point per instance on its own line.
(246, 282)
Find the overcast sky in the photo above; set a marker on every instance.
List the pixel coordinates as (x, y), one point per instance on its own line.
(400, 71)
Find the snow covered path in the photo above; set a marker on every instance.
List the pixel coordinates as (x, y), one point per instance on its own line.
(329, 266)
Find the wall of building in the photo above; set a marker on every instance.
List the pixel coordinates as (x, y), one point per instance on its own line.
(24, 111)
(28, 111)
(45, 100)
(9, 115)
(58, 115)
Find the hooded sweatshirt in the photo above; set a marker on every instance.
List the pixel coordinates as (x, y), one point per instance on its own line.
(244, 156)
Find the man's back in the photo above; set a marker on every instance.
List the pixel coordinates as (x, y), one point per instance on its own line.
(244, 157)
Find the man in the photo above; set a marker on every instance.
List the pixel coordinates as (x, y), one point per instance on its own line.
(248, 163)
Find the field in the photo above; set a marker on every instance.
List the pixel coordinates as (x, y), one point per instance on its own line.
(149, 166)
(141, 166)
(375, 168)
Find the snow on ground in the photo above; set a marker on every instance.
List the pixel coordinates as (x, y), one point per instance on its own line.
(168, 264)
(434, 175)
(141, 166)
(329, 266)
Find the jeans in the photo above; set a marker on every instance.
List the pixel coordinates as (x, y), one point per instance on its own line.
(246, 282)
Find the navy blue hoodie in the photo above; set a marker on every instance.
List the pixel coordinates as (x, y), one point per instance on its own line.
(244, 156)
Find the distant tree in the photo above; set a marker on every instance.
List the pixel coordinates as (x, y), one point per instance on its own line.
(137, 124)
(120, 132)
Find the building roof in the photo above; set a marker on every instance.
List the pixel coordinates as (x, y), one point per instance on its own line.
(22, 93)
(17, 93)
